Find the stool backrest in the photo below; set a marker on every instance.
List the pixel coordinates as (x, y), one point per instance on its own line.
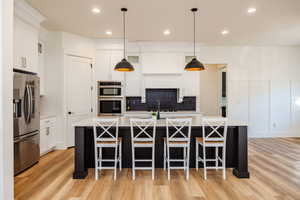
(143, 130)
(106, 130)
(179, 129)
(214, 128)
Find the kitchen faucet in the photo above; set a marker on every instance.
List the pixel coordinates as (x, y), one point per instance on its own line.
(158, 109)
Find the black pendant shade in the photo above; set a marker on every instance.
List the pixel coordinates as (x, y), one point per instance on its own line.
(194, 64)
(124, 65)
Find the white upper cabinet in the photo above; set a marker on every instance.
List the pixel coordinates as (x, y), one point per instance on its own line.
(133, 79)
(25, 46)
(162, 63)
(102, 66)
(26, 31)
(105, 64)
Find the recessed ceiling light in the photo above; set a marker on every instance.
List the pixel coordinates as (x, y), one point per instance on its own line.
(251, 10)
(167, 32)
(225, 32)
(96, 10)
(108, 32)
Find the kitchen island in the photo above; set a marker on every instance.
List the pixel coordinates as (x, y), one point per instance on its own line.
(236, 146)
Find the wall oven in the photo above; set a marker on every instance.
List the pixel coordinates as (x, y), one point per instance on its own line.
(110, 106)
(110, 89)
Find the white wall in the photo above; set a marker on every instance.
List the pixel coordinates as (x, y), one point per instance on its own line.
(6, 91)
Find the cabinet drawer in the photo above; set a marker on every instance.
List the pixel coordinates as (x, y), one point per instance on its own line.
(48, 122)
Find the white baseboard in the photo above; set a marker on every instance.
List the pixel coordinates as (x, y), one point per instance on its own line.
(287, 134)
(60, 146)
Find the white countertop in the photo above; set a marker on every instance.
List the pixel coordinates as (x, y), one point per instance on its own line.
(175, 112)
(47, 116)
(124, 121)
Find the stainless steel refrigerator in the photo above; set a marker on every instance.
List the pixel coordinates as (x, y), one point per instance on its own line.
(26, 120)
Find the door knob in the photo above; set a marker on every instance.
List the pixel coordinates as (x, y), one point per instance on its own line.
(69, 112)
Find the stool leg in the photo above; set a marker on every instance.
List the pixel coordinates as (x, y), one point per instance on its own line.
(188, 163)
(217, 160)
(223, 162)
(96, 163)
(133, 164)
(120, 156)
(197, 156)
(100, 159)
(168, 159)
(165, 156)
(153, 161)
(116, 162)
(204, 162)
(184, 158)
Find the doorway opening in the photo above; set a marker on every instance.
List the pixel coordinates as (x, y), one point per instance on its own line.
(213, 90)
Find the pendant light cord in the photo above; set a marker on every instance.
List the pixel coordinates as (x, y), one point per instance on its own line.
(194, 34)
(124, 34)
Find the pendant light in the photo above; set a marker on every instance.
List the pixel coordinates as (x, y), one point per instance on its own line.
(124, 65)
(194, 64)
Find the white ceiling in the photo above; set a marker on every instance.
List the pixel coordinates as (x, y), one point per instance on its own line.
(276, 22)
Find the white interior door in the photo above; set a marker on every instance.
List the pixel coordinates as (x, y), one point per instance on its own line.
(79, 93)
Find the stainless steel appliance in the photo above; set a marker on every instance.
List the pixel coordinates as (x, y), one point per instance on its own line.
(110, 89)
(110, 106)
(26, 113)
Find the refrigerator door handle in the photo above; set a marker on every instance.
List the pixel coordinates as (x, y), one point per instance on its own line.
(19, 139)
(25, 104)
(28, 104)
(31, 102)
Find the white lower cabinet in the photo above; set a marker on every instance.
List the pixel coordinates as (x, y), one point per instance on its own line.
(47, 135)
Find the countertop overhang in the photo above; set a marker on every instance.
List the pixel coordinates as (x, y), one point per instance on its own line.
(125, 121)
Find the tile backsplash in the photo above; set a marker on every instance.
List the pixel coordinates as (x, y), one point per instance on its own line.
(166, 97)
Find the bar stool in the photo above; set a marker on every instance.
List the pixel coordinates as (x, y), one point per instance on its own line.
(179, 138)
(106, 133)
(216, 138)
(143, 135)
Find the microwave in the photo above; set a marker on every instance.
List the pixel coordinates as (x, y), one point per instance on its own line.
(110, 106)
(110, 89)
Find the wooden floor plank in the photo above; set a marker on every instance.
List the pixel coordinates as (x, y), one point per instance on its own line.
(274, 165)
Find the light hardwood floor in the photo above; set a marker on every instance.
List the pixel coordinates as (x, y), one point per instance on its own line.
(274, 169)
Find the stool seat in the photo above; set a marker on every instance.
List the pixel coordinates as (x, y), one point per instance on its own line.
(143, 142)
(110, 141)
(176, 142)
(212, 141)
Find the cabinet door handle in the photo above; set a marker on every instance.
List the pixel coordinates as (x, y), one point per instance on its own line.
(48, 131)
(24, 62)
